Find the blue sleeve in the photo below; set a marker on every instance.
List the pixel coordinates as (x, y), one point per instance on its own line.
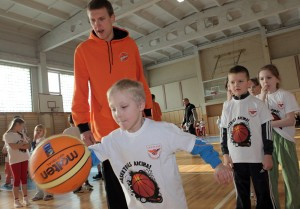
(95, 160)
(207, 153)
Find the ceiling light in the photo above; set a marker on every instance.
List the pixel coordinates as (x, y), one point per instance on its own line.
(180, 0)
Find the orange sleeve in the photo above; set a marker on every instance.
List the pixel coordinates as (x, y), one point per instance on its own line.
(141, 78)
(159, 110)
(80, 105)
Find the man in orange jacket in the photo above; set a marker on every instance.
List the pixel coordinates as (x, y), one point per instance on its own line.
(106, 57)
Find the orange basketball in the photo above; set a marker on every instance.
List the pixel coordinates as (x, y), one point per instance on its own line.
(240, 133)
(60, 164)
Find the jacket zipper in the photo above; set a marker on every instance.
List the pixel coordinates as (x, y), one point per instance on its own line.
(110, 56)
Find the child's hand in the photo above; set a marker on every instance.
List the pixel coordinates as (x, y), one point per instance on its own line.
(267, 162)
(227, 161)
(223, 174)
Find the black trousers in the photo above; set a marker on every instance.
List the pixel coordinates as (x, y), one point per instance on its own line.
(242, 174)
(114, 193)
(192, 130)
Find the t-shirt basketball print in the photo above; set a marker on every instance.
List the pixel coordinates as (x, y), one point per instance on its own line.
(145, 164)
(243, 120)
(140, 182)
(280, 103)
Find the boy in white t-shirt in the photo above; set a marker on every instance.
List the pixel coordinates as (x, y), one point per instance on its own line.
(246, 141)
(142, 152)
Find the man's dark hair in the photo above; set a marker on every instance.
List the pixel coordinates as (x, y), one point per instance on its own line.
(153, 96)
(98, 4)
(239, 69)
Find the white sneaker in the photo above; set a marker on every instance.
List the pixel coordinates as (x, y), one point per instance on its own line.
(26, 201)
(17, 204)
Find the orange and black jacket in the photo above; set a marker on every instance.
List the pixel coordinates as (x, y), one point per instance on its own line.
(101, 64)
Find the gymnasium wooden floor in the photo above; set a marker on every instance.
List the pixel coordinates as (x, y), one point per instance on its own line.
(202, 192)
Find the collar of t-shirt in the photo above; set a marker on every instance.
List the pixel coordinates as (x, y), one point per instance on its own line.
(243, 96)
(138, 132)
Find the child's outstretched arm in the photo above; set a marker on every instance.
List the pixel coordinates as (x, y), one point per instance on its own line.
(97, 153)
(289, 120)
(209, 155)
(95, 159)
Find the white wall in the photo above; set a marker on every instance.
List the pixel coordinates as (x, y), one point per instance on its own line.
(284, 45)
(174, 72)
(282, 48)
(252, 58)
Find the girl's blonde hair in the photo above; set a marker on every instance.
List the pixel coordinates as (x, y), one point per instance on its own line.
(273, 70)
(41, 126)
(135, 88)
(16, 120)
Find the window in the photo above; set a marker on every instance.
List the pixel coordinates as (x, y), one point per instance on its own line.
(53, 79)
(62, 84)
(15, 89)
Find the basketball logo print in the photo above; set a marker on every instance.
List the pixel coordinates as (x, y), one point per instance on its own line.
(123, 56)
(280, 105)
(241, 135)
(154, 151)
(252, 111)
(144, 187)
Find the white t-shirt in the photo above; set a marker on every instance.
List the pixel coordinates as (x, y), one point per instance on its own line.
(73, 131)
(15, 155)
(280, 103)
(145, 164)
(39, 140)
(243, 120)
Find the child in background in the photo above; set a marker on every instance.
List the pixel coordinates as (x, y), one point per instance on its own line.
(18, 155)
(38, 137)
(254, 87)
(283, 106)
(74, 131)
(246, 141)
(202, 127)
(142, 152)
(8, 173)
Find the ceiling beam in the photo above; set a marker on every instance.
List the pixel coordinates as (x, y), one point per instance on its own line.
(18, 59)
(178, 48)
(193, 43)
(43, 9)
(76, 3)
(217, 3)
(278, 19)
(193, 5)
(248, 16)
(25, 20)
(79, 25)
(149, 58)
(149, 18)
(165, 7)
(132, 27)
(240, 29)
(164, 53)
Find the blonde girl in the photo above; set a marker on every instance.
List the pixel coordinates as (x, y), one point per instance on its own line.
(18, 155)
(38, 137)
(283, 106)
